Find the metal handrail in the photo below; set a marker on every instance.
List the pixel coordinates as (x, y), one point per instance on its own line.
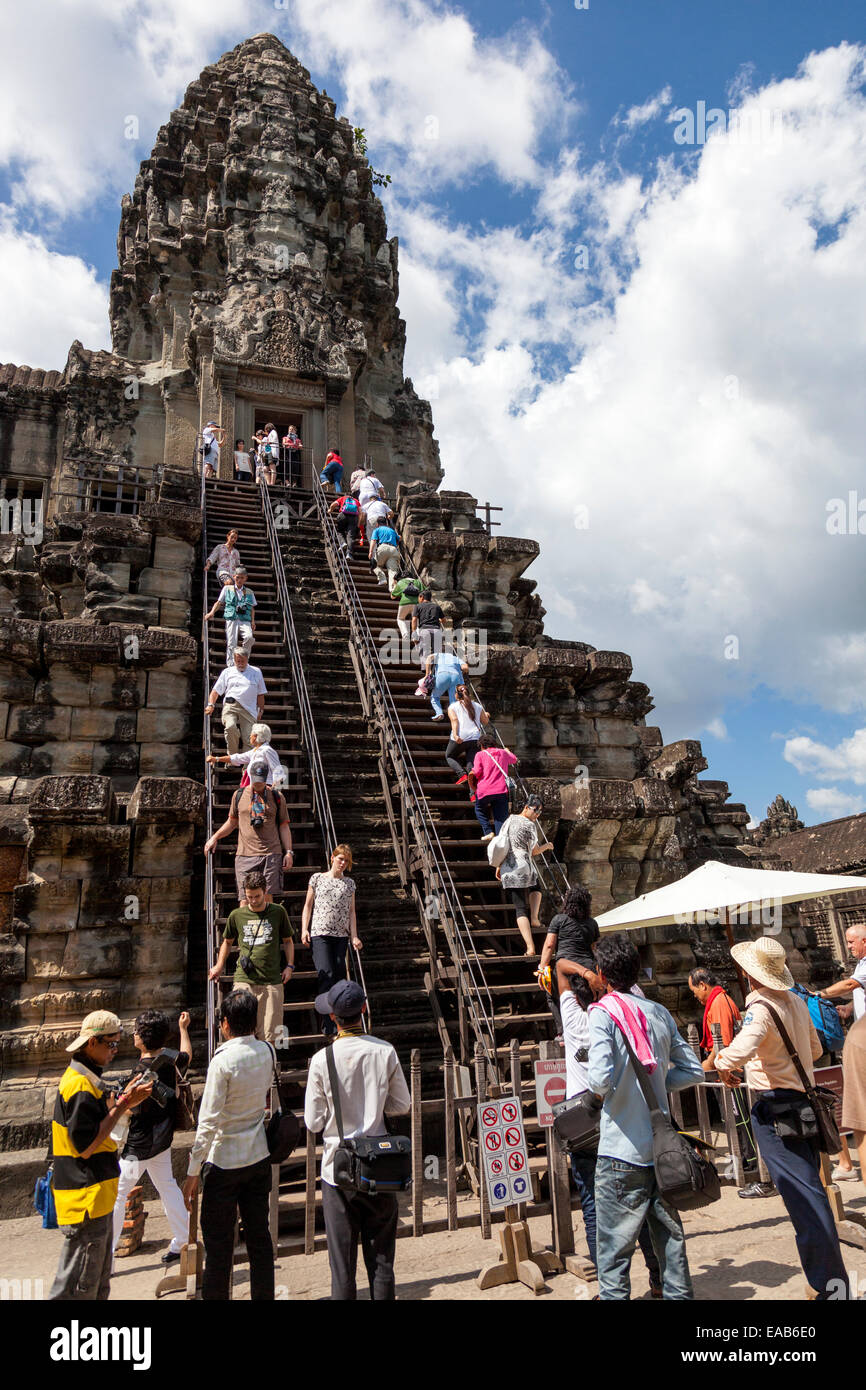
(309, 739)
(211, 986)
(438, 875)
(553, 868)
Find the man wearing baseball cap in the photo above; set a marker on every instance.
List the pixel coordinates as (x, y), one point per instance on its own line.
(792, 1162)
(84, 1155)
(372, 1085)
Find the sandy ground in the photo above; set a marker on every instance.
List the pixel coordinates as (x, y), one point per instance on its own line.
(738, 1251)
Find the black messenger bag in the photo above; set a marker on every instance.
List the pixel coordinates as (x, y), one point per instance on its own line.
(370, 1164)
(577, 1122)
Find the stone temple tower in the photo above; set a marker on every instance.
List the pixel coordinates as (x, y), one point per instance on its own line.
(256, 277)
(256, 282)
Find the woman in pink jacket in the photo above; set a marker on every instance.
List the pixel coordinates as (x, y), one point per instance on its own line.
(489, 781)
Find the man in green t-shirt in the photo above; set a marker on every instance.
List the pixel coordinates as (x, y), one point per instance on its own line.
(407, 592)
(259, 931)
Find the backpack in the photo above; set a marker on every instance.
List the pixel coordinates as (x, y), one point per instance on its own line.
(349, 505)
(497, 849)
(828, 1024)
(43, 1200)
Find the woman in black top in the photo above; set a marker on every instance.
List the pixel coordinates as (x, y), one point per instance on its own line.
(570, 936)
(151, 1127)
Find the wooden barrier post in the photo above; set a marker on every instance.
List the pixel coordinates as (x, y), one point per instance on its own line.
(310, 1195)
(450, 1141)
(480, 1097)
(700, 1093)
(417, 1144)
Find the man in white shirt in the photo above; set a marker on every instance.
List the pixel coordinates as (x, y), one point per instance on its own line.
(369, 490)
(378, 512)
(243, 690)
(372, 1085)
(230, 1152)
(238, 604)
(855, 983)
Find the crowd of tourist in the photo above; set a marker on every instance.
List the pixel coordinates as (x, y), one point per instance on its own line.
(105, 1139)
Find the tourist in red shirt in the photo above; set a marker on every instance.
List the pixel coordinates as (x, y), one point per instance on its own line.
(719, 1008)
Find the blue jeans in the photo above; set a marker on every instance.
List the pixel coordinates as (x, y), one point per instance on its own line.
(793, 1166)
(583, 1167)
(492, 809)
(626, 1196)
(333, 474)
(447, 682)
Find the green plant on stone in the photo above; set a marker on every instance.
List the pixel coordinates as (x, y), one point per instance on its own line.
(380, 180)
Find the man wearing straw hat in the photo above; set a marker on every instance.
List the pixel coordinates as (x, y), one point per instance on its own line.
(792, 1162)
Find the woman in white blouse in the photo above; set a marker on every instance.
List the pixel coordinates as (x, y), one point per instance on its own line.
(260, 745)
(468, 718)
(328, 922)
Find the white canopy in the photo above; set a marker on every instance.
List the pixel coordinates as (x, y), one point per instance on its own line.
(750, 896)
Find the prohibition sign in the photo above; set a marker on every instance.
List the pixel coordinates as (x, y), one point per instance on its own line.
(489, 1116)
(515, 1161)
(512, 1136)
(496, 1166)
(493, 1141)
(509, 1113)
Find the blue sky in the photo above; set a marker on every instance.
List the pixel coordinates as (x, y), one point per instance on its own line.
(694, 386)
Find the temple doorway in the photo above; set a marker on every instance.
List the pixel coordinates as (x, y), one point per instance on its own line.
(291, 471)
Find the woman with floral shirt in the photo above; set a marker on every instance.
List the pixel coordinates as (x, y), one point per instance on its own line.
(328, 922)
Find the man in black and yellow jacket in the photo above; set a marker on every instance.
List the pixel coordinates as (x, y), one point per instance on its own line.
(86, 1166)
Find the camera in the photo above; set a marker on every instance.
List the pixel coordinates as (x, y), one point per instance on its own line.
(161, 1093)
(257, 822)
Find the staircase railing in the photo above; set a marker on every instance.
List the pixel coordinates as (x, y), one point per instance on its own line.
(309, 738)
(439, 884)
(211, 986)
(550, 872)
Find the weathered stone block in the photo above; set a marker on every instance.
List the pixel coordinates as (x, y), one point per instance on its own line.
(95, 850)
(115, 758)
(81, 644)
(19, 640)
(13, 957)
(14, 829)
(171, 800)
(73, 799)
(171, 554)
(56, 759)
(162, 760)
(39, 723)
(615, 734)
(12, 861)
(107, 902)
(170, 726)
(173, 614)
(168, 691)
(163, 956)
(103, 724)
(17, 758)
(117, 687)
(66, 685)
(163, 849)
(168, 583)
(171, 650)
(48, 907)
(598, 800)
(16, 685)
(89, 954)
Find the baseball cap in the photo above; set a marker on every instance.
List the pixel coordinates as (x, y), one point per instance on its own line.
(258, 772)
(94, 1026)
(345, 999)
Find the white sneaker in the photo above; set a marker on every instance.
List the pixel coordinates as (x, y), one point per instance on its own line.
(486, 838)
(840, 1174)
(436, 717)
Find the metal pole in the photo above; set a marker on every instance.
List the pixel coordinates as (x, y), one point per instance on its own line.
(417, 1145)
(450, 1140)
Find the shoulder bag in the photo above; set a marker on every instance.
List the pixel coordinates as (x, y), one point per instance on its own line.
(815, 1116)
(368, 1164)
(184, 1104)
(686, 1177)
(282, 1130)
(577, 1122)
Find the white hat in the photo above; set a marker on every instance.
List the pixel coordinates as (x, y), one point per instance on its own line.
(94, 1026)
(764, 962)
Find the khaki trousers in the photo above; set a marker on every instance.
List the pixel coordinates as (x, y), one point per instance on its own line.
(237, 725)
(270, 1015)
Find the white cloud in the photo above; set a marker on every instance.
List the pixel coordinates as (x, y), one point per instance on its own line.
(648, 110)
(71, 79)
(432, 93)
(846, 760)
(717, 729)
(698, 389)
(48, 300)
(830, 803)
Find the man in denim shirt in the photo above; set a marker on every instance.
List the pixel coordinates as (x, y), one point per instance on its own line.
(625, 1184)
